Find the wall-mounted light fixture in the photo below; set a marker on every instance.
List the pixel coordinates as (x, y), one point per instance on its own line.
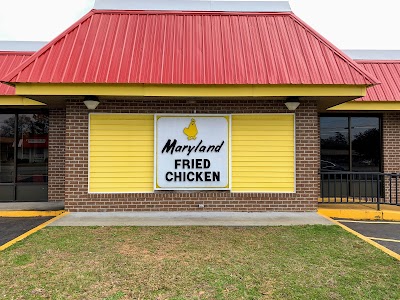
(91, 102)
(292, 103)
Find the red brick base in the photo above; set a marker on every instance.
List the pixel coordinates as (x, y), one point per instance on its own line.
(77, 197)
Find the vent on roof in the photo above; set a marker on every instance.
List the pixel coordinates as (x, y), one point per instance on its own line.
(21, 46)
(373, 54)
(194, 5)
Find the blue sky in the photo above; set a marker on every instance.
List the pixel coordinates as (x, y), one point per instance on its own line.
(349, 24)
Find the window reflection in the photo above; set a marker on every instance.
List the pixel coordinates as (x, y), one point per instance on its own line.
(335, 149)
(365, 139)
(7, 144)
(364, 134)
(361, 154)
(32, 154)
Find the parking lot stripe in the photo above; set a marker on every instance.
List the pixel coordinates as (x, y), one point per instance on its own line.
(32, 231)
(364, 238)
(383, 240)
(368, 222)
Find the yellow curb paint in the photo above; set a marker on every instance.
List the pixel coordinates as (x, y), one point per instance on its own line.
(29, 213)
(391, 215)
(361, 214)
(355, 214)
(32, 231)
(364, 238)
(383, 240)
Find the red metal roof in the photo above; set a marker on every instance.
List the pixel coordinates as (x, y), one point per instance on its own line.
(8, 62)
(161, 47)
(388, 73)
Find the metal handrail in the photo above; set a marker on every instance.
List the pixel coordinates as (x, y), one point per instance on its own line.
(360, 187)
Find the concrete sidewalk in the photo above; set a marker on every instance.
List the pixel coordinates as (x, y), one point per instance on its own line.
(191, 219)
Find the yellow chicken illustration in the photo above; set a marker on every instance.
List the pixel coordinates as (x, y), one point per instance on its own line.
(191, 131)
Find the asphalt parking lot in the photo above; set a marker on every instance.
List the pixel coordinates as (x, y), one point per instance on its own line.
(386, 234)
(10, 228)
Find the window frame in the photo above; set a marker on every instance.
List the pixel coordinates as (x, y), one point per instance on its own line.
(349, 116)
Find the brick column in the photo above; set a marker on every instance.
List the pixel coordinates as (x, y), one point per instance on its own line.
(76, 155)
(307, 156)
(391, 150)
(56, 169)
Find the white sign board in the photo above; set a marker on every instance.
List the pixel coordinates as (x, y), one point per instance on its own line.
(192, 152)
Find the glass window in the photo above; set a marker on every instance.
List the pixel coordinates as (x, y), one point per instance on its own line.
(362, 154)
(335, 150)
(24, 137)
(32, 154)
(7, 144)
(365, 141)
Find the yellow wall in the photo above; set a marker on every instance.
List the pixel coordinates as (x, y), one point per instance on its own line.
(263, 154)
(121, 153)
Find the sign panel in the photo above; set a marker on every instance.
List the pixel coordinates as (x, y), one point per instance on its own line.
(192, 152)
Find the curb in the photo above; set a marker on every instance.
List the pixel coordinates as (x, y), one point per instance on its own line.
(364, 238)
(29, 213)
(360, 214)
(32, 231)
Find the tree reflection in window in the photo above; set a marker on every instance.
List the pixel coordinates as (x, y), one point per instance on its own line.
(362, 154)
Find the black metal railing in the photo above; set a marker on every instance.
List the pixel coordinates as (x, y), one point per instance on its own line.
(360, 188)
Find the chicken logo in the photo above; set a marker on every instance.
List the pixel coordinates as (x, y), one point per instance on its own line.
(191, 131)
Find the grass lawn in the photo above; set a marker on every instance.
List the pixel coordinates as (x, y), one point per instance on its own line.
(303, 262)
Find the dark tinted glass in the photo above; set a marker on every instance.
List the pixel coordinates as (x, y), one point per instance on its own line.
(365, 139)
(32, 154)
(364, 135)
(335, 150)
(7, 144)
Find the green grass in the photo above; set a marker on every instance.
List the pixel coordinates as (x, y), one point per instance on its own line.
(304, 262)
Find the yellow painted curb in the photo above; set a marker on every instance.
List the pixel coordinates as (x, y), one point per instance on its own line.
(32, 231)
(29, 213)
(391, 215)
(353, 214)
(364, 238)
(361, 214)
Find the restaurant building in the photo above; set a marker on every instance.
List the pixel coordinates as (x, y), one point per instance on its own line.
(184, 105)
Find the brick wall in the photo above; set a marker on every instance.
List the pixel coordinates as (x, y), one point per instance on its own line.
(391, 152)
(76, 163)
(391, 142)
(56, 188)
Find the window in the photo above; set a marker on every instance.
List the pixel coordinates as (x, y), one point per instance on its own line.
(350, 143)
(23, 156)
